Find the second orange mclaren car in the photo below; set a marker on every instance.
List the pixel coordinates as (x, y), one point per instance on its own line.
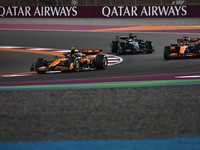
(185, 47)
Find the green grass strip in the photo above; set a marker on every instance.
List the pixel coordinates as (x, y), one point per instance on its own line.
(187, 82)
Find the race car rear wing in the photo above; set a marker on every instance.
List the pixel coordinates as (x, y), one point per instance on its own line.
(122, 37)
(188, 39)
(90, 51)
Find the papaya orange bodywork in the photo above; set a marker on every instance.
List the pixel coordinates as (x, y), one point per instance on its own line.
(42, 68)
(57, 61)
(181, 39)
(87, 61)
(173, 54)
(182, 49)
(90, 51)
(193, 39)
(90, 57)
(191, 54)
(61, 68)
(71, 65)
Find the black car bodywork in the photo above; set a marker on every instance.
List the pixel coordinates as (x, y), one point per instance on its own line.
(130, 44)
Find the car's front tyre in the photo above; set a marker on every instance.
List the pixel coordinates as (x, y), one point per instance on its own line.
(167, 52)
(114, 46)
(149, 46)
(101, 62)
(40, 63)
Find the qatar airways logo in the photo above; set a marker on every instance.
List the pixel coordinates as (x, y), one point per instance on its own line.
(145, 11)
(27, 11)
(98, 11)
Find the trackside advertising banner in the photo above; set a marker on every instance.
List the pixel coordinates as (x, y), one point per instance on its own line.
(100, 11)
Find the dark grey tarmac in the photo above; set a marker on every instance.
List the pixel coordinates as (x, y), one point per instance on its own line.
(132, 65)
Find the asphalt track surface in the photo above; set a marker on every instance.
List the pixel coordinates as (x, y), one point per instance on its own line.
(132, 65)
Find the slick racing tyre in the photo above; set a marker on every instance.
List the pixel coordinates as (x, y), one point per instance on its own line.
(149, 46)
(167, 52)
(122, 48)
(101, 62)
(39, 63)
(197, 49)
(114, 46)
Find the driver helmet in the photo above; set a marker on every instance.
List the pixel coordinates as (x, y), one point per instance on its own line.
(131, 36)
(73, 50)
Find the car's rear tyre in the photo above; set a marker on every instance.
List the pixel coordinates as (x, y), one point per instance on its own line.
(39, 63)
(149, 46)
(114, 46)
(197, 49)
(101, 62)
(167, 52)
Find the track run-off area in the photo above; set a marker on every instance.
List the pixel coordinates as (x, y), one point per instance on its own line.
(22, 44)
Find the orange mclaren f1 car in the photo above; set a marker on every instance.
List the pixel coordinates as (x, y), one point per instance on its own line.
(77, 60)
(186, 47)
